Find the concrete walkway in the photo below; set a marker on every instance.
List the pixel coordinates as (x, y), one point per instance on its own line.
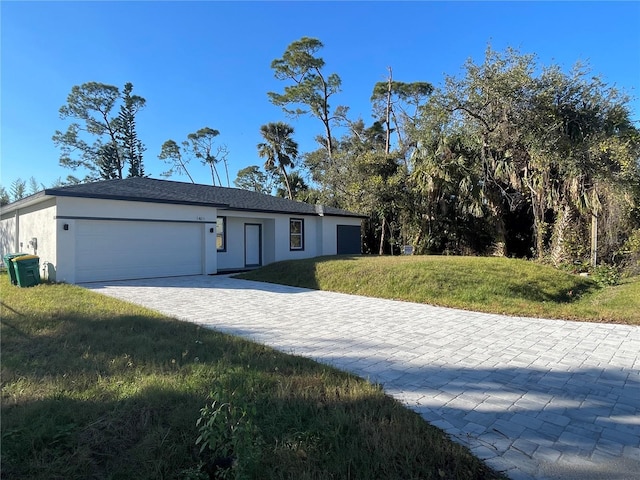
(541, 399)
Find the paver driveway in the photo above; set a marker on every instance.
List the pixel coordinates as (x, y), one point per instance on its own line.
(534, 398)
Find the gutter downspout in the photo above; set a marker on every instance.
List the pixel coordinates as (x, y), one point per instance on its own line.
(319, 231)
(16, 244)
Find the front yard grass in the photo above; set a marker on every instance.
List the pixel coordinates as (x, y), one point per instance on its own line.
(493, 285)
(93, 387)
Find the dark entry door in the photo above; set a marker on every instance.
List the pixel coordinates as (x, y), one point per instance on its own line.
(349, 242)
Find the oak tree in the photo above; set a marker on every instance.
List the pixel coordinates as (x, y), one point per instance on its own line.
(254, 179)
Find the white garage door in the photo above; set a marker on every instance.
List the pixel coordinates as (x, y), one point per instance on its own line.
(120, 250)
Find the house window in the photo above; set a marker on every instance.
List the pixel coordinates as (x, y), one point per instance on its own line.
(296, 234)
(221, 234)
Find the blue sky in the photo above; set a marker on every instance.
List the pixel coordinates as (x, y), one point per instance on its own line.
(208, 63)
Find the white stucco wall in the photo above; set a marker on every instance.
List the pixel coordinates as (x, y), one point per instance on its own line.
(320, 237)
(269, 241)
(329, 232)
(98, 208)
(65, 265)
(209, 254)
(310, 238)
(8, 238)
(31, 230)
(233, 256)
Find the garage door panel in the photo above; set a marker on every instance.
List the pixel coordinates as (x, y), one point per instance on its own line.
(118, 250)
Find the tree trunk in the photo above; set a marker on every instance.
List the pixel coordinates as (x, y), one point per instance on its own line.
(595, 211)
(538, 205)
(114, 140)
(540, 229)
(329, 147)
(382, 235)
(184, 167)
(286, 181)
(213, 175)
(594, 239)
(387, 147)
(325, 117)
(500, 244)
(226, 169)
(559, 252)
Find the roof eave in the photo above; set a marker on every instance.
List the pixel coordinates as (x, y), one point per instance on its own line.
(292, 212)
(25, 202)
(137, 199)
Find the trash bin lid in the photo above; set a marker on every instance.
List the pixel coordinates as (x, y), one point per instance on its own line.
(9, 256)
(25, 257)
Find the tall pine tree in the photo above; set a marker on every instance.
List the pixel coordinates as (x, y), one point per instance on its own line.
(132, 147)
(100, 141)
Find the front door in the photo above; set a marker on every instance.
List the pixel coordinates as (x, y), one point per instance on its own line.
(252, 244)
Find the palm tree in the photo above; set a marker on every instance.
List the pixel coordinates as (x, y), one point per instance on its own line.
(279, 149)
(299, 187)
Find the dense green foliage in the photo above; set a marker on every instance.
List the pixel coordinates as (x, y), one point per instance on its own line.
(495, 285)
(511, 158)
(309, 89)
(279, 150)
(100, 140)
(131, 145)
(97, 388)
(254, 179)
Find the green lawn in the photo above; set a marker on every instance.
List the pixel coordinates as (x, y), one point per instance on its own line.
(495, 285)
(97, 388)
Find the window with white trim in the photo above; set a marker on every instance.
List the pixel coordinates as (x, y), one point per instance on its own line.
(221, 234)
(296, 234)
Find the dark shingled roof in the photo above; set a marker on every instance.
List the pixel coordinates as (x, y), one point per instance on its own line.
(142, 189)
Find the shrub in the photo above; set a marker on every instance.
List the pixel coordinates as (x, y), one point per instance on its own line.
(605, 275)
(630, 254)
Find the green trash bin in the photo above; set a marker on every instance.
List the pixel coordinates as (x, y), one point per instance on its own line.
(27, 269)
(9, 264)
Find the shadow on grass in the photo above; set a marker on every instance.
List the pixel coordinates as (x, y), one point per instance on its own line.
(143, 436)
(295, 273)
(535, 292)
(119, 396)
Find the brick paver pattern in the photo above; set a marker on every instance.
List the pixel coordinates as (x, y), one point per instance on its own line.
(534, 398)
